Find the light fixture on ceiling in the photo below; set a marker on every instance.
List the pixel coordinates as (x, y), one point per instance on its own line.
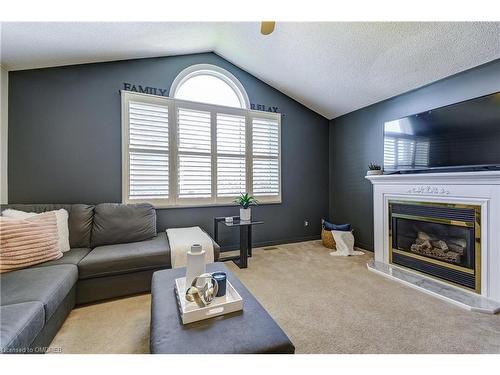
(267, 27)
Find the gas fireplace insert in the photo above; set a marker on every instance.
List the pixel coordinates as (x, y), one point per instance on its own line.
(438, 239)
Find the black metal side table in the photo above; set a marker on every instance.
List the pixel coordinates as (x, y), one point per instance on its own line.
(245, 238)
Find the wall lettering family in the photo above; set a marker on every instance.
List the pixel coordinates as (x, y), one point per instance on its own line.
(145, 89)
(165, 92)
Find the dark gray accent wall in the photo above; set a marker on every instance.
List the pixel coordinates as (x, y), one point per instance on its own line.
(65, 143)
(356, 139)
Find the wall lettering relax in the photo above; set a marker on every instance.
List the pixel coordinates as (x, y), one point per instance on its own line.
(262, 107)
(165, 92)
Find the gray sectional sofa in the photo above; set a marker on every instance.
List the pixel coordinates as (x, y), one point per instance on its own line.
(115, 249)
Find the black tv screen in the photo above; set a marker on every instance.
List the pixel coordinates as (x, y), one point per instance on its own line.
(463, 135)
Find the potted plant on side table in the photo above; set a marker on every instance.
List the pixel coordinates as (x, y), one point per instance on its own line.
(374, 170)
(245, 201)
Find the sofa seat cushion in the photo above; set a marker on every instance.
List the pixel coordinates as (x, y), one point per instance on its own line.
(116, 223)
(125, 258)
(74, 256)
(48, 285)
(20, 324)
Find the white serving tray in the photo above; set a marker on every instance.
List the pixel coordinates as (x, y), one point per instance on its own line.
(191, 312)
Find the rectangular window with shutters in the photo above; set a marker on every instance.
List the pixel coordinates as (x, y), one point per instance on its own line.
(265, 157)
(231, 163)
(194, 154)
(180, 153)
(147, 151)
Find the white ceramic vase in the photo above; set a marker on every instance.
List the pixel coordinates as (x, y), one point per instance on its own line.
(195, 263)
(245, 214)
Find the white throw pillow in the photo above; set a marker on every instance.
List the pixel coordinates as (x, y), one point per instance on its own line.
(62, 224)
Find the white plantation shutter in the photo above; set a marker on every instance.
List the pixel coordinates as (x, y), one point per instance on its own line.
(194, 152)
(148, 145)
(265, 156)
(178, 153)
(194, 130)
(231, 165)
(148, 176)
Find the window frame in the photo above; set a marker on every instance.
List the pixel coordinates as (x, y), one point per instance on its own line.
(173, 201)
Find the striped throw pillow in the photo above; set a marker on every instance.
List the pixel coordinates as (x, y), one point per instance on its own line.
(25, 242)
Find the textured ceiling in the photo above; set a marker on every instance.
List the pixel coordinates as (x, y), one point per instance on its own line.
(332, 68)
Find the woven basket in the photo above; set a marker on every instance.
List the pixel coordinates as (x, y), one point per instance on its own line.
(327, 238)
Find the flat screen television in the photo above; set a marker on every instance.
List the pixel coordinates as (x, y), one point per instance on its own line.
(461, 136)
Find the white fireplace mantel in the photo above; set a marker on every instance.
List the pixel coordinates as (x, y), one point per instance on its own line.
(477, 188)
(453, 178)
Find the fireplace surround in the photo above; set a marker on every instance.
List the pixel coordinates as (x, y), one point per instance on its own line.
(438, 232)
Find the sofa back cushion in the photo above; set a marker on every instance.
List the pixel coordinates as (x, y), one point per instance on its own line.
(79, 220)
(116, 223)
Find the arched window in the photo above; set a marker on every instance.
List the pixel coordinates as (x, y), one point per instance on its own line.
(203, 145)
(210, 84)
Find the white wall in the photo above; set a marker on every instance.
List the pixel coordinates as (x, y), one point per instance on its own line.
(4, 84)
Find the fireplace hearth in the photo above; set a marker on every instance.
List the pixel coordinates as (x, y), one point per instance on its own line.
(438, 239)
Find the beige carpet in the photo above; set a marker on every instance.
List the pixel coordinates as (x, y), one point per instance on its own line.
(325, 304)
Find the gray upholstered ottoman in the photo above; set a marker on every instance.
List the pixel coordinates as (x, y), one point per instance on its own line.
(249, 331)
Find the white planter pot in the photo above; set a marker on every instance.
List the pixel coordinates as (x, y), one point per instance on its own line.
(245, 214)
(375, 172)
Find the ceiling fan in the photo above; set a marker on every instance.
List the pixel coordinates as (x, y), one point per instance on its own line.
(267, 27)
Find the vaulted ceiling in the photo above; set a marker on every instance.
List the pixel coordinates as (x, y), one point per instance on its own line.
(332, 68)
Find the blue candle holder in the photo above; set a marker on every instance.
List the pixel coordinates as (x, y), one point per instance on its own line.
(221, 281)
